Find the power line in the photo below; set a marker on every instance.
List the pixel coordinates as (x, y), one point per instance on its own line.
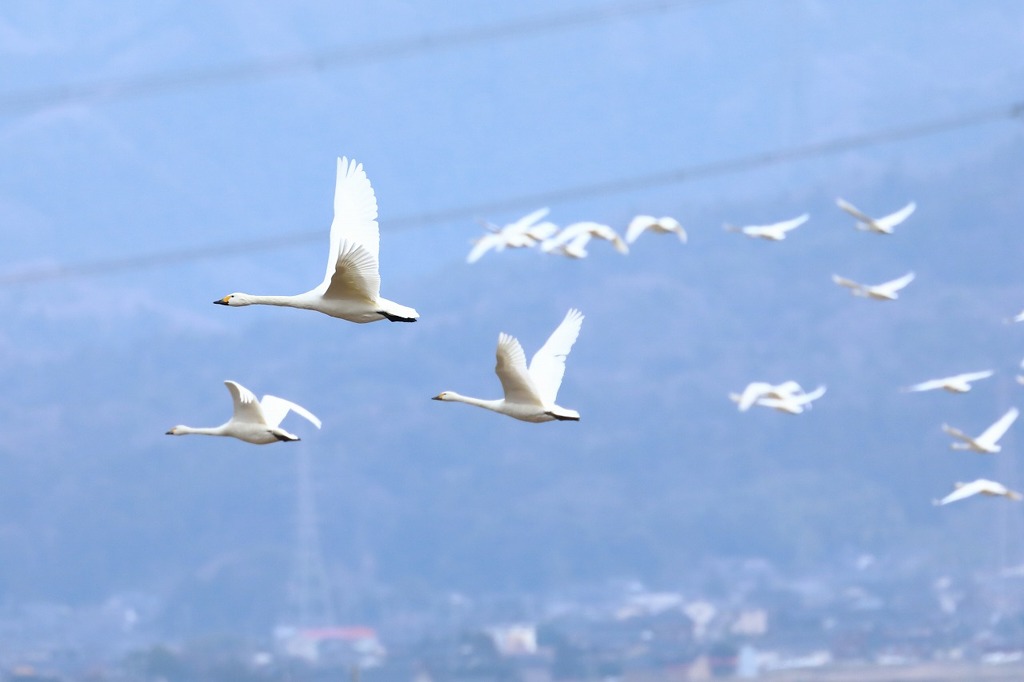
(137, 86)
(620, 186)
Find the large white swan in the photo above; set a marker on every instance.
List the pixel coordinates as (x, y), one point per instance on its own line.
(530, 393)
(522, 233)
(960, 383)
(573, 238)
(775, 232)
(988, 441)
(351, 287)
(981, 486)
(886, 291)
(253, 421)
(794, 403)
(883, 225)
(663, 225)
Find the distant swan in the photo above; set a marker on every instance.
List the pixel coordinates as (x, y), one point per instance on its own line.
(981, 486)
(522, 233)
(775, 232)
(530, 393)
(665, 225)
(253, 421)
(351, 287)
(988, 441)
(880, 292)
(960, 383)
(573, 238)
(883, 225)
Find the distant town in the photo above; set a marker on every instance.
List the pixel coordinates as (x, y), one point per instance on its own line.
(871, 622)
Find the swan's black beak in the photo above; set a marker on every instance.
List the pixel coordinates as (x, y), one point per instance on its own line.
(221, 301)
(169, 433)
(436, 397)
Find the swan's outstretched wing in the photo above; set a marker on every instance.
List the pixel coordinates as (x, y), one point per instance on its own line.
(355, 215)
(566, 235)
(276, 409)
(548, 364)
(973, 376)
(992, 434)
(511, 370)
(965, 490)
(890, 221)
(247, 407)
(927, 385)
(526, 222)
(356, 276)
(485, 244)
(753, 391)
(892, 286)
(852, 210)
(787, 225)
(637, 225)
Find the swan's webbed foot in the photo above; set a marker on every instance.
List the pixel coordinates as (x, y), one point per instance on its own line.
(396, 318)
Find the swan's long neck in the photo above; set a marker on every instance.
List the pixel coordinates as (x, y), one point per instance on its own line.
(200, 430)
(494, 405)
(289, 301)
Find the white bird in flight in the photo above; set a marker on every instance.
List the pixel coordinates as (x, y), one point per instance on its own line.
(785, 397)
(664, 225)
(960, 383)
(988, 441)
(762, 389)
(253, 421)
(530, 393)
(351, 286)
(981, 486)
(885, 291)
(775, 232)
(572, 240)
(883, 225)
(522, 233)
(792, 404)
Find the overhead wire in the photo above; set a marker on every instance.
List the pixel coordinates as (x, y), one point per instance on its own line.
(617, 186)
(332, 58)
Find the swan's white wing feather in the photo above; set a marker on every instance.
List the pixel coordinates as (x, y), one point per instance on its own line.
(355, 214)
(247, 407)
(753, 391)
(974, 376)
(511, 370)
(548, 364)
(992, 434)
(964, 491)
(567, 234)
(787, 225)
(356, 276)
(276, 409)
(637, 225)
(895, 285)
(852, 210)
(483, 245)
(527, 221)
(957, 433)
(893, 219)
(927, 385)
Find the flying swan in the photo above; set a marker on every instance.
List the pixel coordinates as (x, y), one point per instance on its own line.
(351, 287)
(530, 392)
(253, 421)
(664, 225)
(883, 225)
(775, 232)
(988, 441)
(961, 383)
(572, 240)
(522, 233)
(885, 291)
(981, 486)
